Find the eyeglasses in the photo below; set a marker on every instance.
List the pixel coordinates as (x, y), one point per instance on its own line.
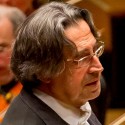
(84, 61)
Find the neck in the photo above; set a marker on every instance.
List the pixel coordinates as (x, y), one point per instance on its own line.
(8, 86)
(5, 90)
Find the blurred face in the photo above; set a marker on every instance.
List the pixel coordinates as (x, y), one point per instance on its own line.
(6, 38)
(76, 86)
(24, 5)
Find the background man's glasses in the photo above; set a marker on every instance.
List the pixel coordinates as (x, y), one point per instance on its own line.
(84, 61)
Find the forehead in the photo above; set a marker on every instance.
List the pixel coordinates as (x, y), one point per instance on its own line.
(80, 35)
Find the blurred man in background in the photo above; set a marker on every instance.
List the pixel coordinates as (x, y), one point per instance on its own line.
(10, 19)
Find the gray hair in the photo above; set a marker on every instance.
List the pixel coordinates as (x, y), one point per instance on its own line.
(39, 50)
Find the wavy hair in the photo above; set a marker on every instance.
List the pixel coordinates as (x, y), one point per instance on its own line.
(39, 47)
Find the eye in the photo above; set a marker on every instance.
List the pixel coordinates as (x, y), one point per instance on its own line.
(82, 54)
(95, 47)
(2, 48)
(99, 49)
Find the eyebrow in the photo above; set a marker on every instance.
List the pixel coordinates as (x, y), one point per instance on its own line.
(82, 52)
(3, 44)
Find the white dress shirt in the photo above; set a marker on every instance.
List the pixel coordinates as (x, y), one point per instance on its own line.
(71, 115)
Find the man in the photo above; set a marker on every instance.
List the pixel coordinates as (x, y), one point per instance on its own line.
(10, 19)
(55, 57)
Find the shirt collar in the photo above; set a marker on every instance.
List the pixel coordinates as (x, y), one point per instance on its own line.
(68, 113)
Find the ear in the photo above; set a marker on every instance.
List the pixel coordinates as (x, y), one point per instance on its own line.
(44, 80)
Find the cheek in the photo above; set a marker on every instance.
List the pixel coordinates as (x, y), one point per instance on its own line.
(5, 57)
(8, 56)
(78, 75)
(76, 82)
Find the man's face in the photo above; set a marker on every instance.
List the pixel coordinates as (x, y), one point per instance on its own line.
(75, 86)
(6, 38)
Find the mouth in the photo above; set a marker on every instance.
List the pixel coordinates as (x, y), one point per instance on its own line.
(93, 84)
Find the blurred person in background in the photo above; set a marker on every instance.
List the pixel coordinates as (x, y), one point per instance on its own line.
(56, 58)
(10, 19)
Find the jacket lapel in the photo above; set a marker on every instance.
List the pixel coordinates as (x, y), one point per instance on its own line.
(49, 116)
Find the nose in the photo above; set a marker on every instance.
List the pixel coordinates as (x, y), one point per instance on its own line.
(95, 65)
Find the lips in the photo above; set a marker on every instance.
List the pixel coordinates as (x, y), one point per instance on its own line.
(93, 86)
(92, 83)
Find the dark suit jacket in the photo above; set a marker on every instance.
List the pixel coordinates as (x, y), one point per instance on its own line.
(27, 109)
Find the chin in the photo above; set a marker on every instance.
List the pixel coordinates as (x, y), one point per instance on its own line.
(95, 94)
